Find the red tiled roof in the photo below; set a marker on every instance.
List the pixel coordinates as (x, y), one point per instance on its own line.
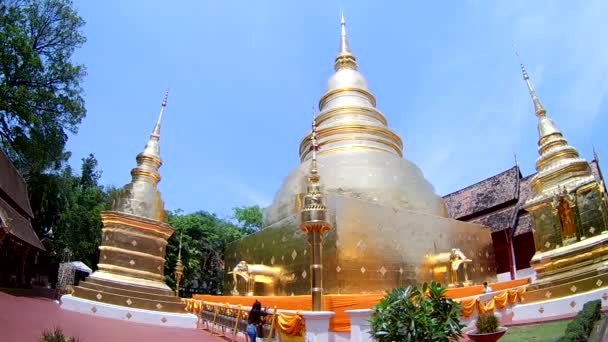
(525, 188)
(13, 185)
(489, 193)
(488, 202)
(524, 224)
(595, 170)
(18, 225)
(15, 209)
(497, 220)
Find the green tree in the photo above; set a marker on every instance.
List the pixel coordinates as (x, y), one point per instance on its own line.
(250, 219)
(204, 237)
(112, 194)
(79, 225)
(40, 93)
(50, 195)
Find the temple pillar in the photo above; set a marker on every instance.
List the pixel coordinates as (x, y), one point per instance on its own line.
(360, 327)
(317, 325)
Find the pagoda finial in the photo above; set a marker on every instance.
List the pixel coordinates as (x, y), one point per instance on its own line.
(516, 160)
(152, 148)
(143, 198)
(596, 156)
(163, 105)
(345, 58)
(344, 48)
(314, 147)
(179, 266)
(538, 107)
(179, 253)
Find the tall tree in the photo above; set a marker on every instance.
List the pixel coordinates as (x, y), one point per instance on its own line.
(40, 93)
(249, 218)
(79, 226)
(204, 236)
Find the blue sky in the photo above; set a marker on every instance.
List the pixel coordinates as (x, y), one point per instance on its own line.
(243, 76)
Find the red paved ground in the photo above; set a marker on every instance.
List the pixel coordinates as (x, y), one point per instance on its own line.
(23, 319)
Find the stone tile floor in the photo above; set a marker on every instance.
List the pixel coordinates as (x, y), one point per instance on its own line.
(23, 318)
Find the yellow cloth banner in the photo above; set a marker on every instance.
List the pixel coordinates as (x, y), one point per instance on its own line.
(340, 303)
(291, 325)
(498, 301)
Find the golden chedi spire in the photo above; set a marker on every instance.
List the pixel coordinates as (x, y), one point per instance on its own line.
(559, 165)
(134, 240)
(349, 119)
(360, 156)
(345, 58)
(141, 197)
(314, 212)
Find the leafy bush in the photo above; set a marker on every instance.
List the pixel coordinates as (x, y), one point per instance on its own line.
(487, 323)
(57, 336)
(581, 326)
(416, 314)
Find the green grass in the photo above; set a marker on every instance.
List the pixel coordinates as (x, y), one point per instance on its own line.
(536, 332)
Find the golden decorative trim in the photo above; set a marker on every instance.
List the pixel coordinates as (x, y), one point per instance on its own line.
(131, 252)
(546, 146)
(120, 269)
(541, 163)
(572, 171)
(118, 230)
(139, 172)
(397, 149)
(120, 219)
(143, 157)
(354, 110)
(588, 187)
(565, 289)
(327, 95)
(353, 147)
(170, 303)
(361, 129)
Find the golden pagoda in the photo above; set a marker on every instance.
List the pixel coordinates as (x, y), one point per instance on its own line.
(389, 226)
(315, 224)
(360, 156)
(131, 264)
(569, 215)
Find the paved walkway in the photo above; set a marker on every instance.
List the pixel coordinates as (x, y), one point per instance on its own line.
(24, 319)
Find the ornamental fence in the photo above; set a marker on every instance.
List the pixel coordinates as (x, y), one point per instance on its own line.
(226, 320)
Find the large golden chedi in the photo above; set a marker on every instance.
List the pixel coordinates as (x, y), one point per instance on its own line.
(134, 240)
(389, 226)
(360, 156)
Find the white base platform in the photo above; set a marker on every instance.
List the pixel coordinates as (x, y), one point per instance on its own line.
(557, 308)
(167, 319)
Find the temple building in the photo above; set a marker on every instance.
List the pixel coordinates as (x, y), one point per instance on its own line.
(19, 244)
(389, 227)
(563, 202)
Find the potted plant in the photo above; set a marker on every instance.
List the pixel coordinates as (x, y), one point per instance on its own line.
(56, 335)
(487, 329)
(416, 314)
